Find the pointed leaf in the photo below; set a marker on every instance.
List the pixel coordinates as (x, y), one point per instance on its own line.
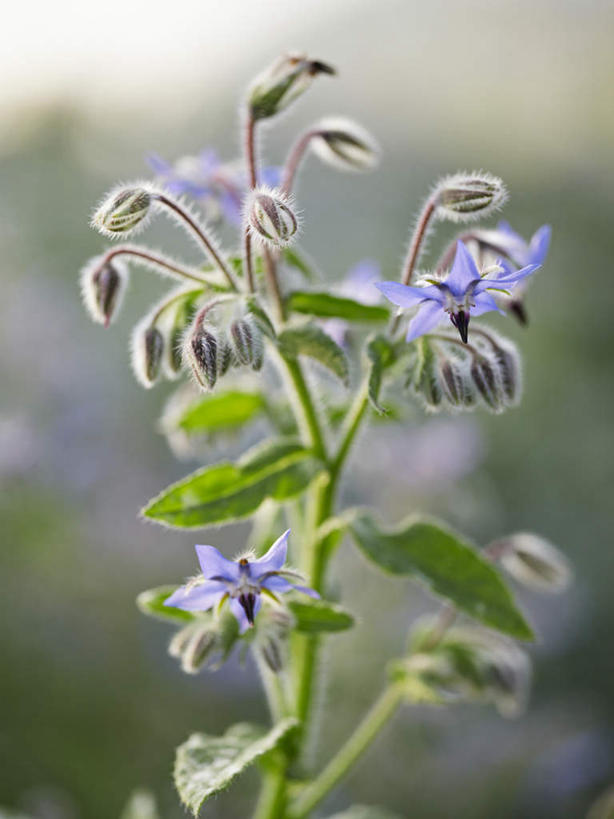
(299, 262)
(221, 411)
(227, 492)
(449, 566)
(206, 765)
(151, 602)
(312, 341)
(327, 305)
(313, 616)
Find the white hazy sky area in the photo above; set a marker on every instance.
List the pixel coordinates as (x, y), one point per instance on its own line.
(512, 63)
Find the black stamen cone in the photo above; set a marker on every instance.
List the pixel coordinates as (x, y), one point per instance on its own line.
(520, 312)
(461, 321)
(248, 602)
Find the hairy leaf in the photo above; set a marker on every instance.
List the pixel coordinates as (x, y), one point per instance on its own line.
(227, 492)
(327, 305)
(314, 616)
(151, 602)
(205, 765)
(448, 565)
(221, 411)
(313, 342)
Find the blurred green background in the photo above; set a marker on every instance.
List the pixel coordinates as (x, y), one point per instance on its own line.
(90, 704)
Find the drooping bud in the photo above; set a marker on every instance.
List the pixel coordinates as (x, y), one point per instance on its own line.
(179, 321)
(508, 364)
(247, 343)
(533, 561)
(226, 357)
(200, 350)
(344, 144)
(102, 286)
(282, 82)
(452, 381)
(147, 351)
(272, 636)
(270, 217)
(464, 197)
(198, 649)
(123, 210)
(486, 381)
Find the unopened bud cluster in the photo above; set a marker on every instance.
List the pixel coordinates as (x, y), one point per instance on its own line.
(211, 350)
(472, 665)
(486, 372)
(465, 197)
(204, 643)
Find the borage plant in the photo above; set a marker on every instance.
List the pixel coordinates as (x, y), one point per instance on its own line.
(259, 311)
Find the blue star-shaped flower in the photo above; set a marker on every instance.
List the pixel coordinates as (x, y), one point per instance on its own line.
(519, 251)
(241, 582)
(462, 294)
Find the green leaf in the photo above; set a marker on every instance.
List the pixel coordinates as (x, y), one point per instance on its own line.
(381, 354)
(296, 260)
(151, 602)
(206, 765)
(312, 341)
(221, 411)
(326, 305)
(227, 492)
(448, 565)
(261, 317)
(314, 616)
(141, 805)
(365, 812)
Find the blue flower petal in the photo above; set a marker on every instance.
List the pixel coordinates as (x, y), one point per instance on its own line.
(505, 280)
(197, 598)
(426, 319)
(214, 564)
(463, 271)
(484, 303)
(281, 585)
(407, 296)
(539, 245)
(274, 559)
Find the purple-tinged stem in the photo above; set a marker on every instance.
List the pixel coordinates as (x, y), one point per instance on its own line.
(199, 233)
(295, 157)
(153, 259)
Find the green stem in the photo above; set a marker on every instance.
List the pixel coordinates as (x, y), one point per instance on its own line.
(304, 408)
(351, 427)
(375, 719)
(272, 799)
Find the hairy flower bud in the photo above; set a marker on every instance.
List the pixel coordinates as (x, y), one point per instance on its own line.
(102, 286)
(464, 197)
(247, 343)
(271, 218)
(452, 381)
(344, 144)
(426, 377)
(226, 357)
(533, 561)
(282, 82)
(147, 351)
(200, 646)
(123, 210)
(487, 383)
(200, 350)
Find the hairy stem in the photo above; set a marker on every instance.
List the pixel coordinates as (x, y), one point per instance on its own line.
(153, 259)
(295, 157)
(199, 233)
(413, 254)
(375, 719)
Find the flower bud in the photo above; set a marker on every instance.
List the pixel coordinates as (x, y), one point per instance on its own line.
(508, 365)
(226, 357)
(202, 643)
(102, 286)
(200, 350)
(282, 82)
(486, 382)
(122, 211)
(247, 343)
(147, 351)
(465, 197)
(534, 562)
(271, 218)
(345, 145)
(452, 381)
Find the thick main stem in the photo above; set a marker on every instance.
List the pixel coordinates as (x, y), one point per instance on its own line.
(375, 719)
